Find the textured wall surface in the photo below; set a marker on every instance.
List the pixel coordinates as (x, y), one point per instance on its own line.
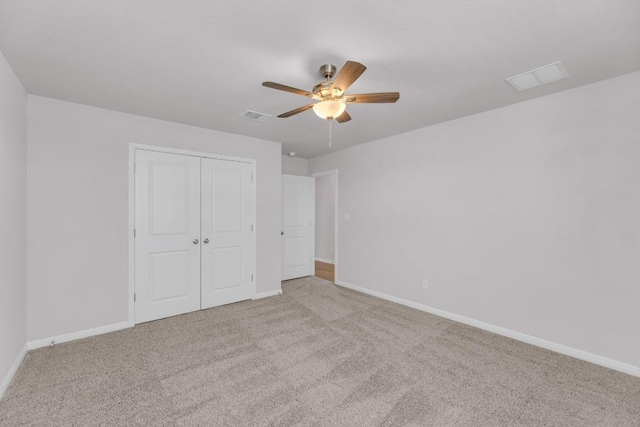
(78, 209)
(13, 217)
(294, 166)
(525, 217)
(325, 216)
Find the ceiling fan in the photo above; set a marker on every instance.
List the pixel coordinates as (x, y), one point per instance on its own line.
(331, 95)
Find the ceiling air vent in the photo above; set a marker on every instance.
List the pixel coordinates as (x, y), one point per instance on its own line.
(254, 116)
(538, 77)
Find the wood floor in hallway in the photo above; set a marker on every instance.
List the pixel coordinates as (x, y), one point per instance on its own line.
(325, 271)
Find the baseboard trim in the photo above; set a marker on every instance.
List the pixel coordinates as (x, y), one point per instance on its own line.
(267, 294)
(32, 345)
(326, 261)
(6, 382)
(529, 339)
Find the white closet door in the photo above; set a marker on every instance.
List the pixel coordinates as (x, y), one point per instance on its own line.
(167, 247)
(298, 211)
(227, 232)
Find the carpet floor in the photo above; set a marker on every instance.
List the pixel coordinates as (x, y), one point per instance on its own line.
(319, 355)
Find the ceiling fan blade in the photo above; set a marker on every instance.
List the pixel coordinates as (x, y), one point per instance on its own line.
(290, 89)
(345, 78)
(344, 117)
(296, 111)
(376, 98)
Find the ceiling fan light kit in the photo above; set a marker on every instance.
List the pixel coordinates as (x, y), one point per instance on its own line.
(329, 109)
(331, 97)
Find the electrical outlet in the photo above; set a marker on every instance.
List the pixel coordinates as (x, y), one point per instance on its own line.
(425, 284)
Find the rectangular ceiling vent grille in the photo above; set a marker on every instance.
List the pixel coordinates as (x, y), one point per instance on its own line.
(538, 77)
(254, 116)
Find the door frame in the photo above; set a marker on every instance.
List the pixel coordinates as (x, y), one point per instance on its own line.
(335, 219)
(131, 224)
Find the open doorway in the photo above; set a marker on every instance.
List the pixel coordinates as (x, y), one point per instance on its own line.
(326, 233)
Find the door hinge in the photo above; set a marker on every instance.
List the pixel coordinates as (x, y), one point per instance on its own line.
(251, 227)
(134, 168)
(251, 178)
(134, 297)
(252, 277)
(134, 232)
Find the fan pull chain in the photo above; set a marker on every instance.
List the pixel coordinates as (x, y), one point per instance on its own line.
(330, 133)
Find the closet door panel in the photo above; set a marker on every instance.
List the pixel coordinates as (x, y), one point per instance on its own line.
(227, 232)
(167, 223)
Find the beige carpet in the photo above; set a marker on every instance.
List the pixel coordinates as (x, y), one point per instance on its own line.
(318, 355)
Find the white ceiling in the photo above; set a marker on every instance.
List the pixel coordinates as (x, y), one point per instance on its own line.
(202, 62)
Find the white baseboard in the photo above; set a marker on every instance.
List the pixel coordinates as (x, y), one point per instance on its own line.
(267, 294)
(327, 261)
(549, 345)
(32, 345)
(12, 372)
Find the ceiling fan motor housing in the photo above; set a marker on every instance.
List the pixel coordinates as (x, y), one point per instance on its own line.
(323, 89)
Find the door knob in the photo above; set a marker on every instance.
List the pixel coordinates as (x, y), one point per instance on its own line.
(195, 241)
(282, 233)
(206, 241)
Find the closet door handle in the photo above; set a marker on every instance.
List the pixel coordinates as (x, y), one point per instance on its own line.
(206, 241)
(195, 241)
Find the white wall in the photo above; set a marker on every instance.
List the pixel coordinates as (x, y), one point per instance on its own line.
(525, 217)
(78, 209)
(294, 166)
(325, 216)
(13, 219)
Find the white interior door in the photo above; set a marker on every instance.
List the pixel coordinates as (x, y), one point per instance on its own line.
(167, 233)
(227, 232)
(298, 209)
